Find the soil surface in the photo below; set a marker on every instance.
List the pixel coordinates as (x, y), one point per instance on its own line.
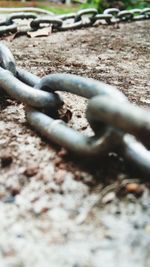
(56, 210)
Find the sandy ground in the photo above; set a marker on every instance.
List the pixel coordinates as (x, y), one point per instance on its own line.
(54, 210)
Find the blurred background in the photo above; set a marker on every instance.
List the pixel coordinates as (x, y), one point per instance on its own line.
(66, 6)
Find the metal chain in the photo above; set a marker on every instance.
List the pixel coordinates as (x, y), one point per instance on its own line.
(83, 18)
(118, 126)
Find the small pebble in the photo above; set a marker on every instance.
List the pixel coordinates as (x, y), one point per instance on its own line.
(15, 189)
(6, 158)
(134, 188)
(31, 170)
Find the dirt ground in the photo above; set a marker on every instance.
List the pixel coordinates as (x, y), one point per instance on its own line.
(55, 210)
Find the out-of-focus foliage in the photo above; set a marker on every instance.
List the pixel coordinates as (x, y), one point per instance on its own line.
(121, 4)
(54, 5)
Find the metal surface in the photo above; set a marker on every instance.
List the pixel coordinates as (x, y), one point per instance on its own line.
(105, 17)
(135, 153)
(89, 11)
(58, 132)
(78, 85)
(71, 26)
(7, 60)
(27, 77)
(40, 22)
(115, 121)
(125, 15)
(25, 93)
(10, 18)
(5, 29)
(125, 116)
(67, 16)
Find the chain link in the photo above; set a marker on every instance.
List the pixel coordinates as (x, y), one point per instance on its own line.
(5, 29)
(10, 18)
(118, 126)
(37, 23)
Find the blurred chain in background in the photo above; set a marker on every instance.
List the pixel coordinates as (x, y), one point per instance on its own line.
(83, 18)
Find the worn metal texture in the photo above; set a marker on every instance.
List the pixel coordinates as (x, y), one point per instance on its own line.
(22, 15)
(115, 123)
(4, 29)
(37, 23)
(58, 132)
(7, 60)
(135, 153)
(124, 116)
(91, 11)
(27, 77)
(25, 93)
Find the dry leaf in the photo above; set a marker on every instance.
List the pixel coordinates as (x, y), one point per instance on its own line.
(10, 37)
(66, 116)
(41, 32)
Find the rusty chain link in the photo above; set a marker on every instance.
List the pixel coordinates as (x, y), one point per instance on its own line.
(118, 125)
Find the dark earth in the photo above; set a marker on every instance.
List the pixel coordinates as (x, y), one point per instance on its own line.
(57, 210)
